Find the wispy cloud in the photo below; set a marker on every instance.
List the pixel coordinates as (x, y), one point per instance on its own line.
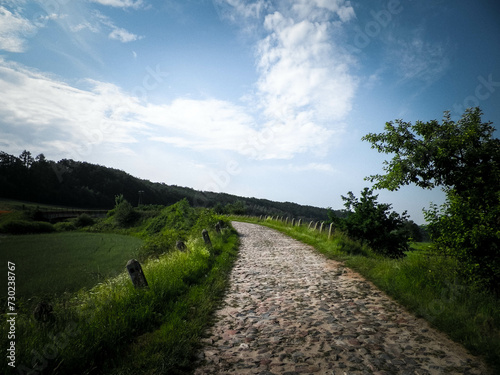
(84, 26)
(76, 18)
(52, 113)
(200, 124)
(73, 120)
(121, 3)
(117, 33)
(236, 9)
(419, 59)
(13, 31)
(123, 35)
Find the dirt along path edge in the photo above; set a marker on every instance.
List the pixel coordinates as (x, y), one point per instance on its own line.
(289, 310)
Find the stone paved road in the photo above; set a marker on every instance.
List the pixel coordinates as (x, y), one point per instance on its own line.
(291, 311)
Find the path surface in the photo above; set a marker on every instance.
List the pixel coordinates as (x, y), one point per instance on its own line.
(291, 311)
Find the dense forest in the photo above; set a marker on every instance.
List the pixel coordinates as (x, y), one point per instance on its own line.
(84, 185)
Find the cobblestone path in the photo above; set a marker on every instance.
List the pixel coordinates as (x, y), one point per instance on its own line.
(291, 311)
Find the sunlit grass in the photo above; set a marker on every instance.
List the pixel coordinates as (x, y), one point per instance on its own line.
(94, 329)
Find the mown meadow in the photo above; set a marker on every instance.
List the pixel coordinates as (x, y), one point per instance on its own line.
(425, 283)
(104, 325)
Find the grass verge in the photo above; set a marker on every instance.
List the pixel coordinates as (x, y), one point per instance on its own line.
(157, 328)
(425, 284)
(172, 348)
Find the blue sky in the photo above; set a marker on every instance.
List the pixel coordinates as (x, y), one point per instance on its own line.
(257, 98)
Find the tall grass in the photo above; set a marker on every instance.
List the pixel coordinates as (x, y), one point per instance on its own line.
(171, 349)
(91, 331)
(425, 284)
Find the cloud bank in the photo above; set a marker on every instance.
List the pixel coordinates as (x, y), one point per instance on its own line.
(303, 92)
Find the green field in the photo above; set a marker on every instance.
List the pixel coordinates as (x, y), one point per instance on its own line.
(106, 325)
(54, 263)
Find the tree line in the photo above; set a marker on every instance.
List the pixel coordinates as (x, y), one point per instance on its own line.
(80, 184)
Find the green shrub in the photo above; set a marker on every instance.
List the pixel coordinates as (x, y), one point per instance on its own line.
(467, 229)
(64, 226)
(26, 227)
(373, 223)
(84, 220)
(125, 215)
(179, 216)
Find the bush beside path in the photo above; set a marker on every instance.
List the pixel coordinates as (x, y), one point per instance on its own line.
(289, 310)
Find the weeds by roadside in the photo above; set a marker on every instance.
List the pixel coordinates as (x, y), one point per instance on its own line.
(95, 331)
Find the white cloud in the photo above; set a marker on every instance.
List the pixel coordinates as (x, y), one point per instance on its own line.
(84, 26)
(53, 113)
(302, 72)
(121, 3)
(305, 85)
(304, 92)
(305, 88)
(75, 120)
(13, 31)
(323, 9)
(200, 124)
(42, 20)
(123, 35)
(117, 33)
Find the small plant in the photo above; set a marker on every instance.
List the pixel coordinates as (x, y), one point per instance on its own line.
(84, 220)
(64, 226)
(125, 215)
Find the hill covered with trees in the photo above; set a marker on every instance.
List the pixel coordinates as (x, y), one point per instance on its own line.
(80, 184)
